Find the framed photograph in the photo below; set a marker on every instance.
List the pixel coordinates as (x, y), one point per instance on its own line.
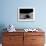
(26, 14)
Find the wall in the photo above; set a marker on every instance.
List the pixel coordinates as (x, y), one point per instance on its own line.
(8, 13)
